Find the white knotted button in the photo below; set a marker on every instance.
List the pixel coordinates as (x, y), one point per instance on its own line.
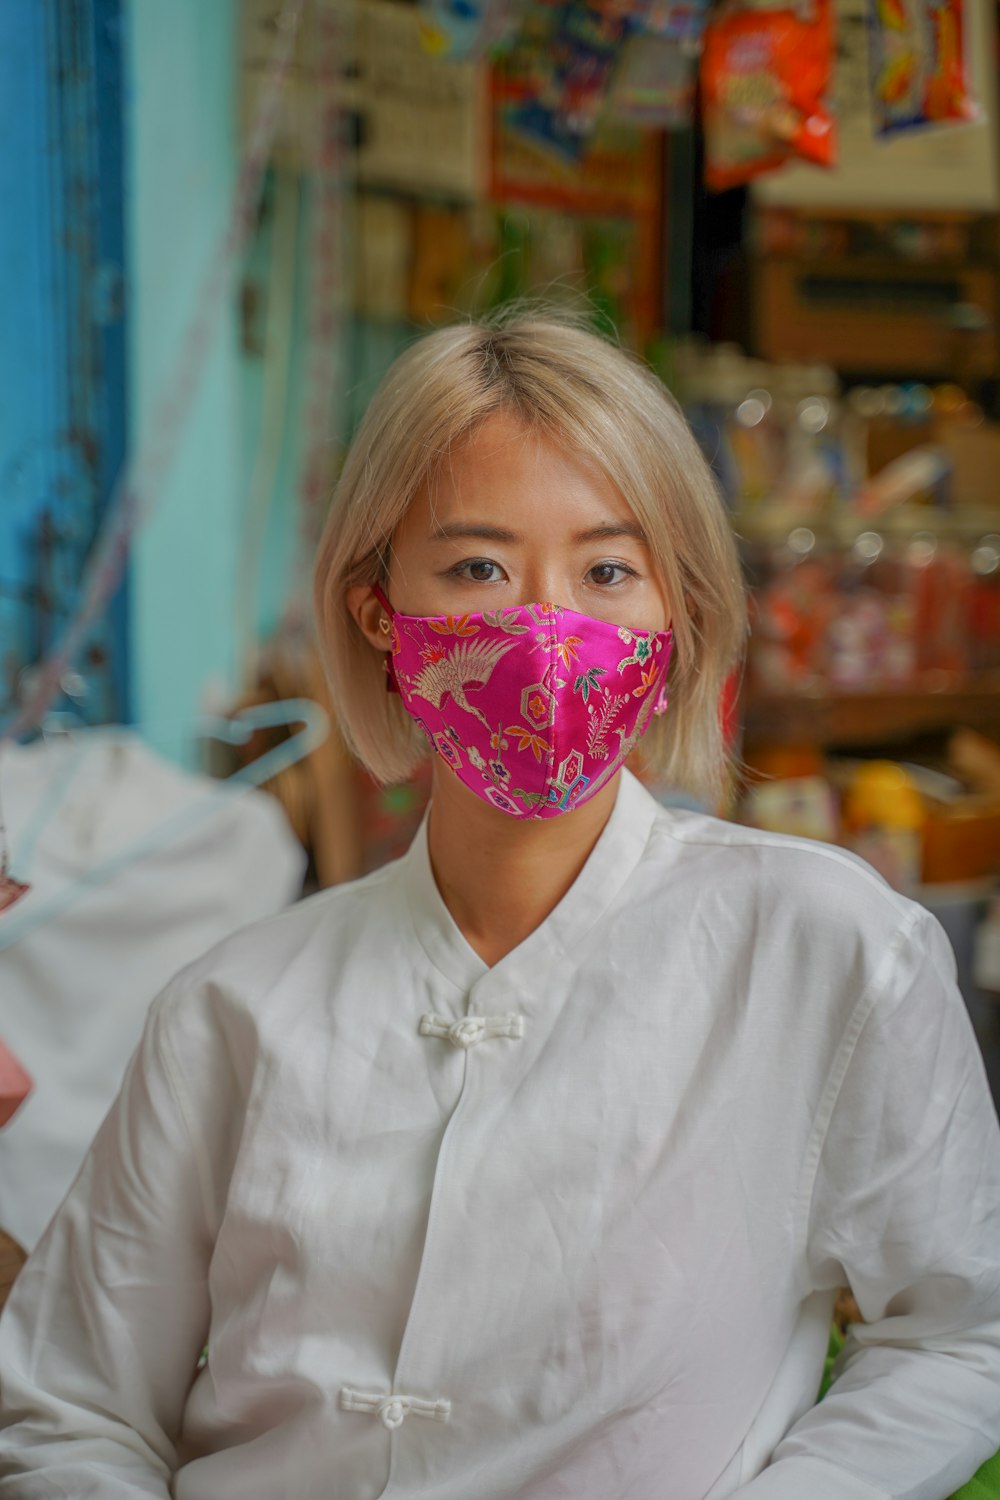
(468, 1031)
(392, 1412)
(391, 1409)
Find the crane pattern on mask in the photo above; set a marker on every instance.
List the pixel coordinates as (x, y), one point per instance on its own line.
(534, 707)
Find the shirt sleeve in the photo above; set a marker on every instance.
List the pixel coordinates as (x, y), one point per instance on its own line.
(905, 1208)
(100, 1339)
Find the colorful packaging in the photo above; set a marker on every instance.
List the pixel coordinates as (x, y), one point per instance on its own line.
(672, 20)
(765, 78)
(655, 84)
(918, 63)
(578, 46)
(462, 29)
(884, 818)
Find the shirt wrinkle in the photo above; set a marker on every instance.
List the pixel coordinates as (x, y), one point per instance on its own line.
(863, 1009)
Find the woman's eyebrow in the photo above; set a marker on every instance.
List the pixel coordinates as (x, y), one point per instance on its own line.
(611, 531)
(472, 531)
(481, 532)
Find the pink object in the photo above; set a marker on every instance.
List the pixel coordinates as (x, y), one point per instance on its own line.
(15, 1084)
(533, 708)
(11, 890)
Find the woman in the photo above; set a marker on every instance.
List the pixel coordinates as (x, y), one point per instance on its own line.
(529, 1166)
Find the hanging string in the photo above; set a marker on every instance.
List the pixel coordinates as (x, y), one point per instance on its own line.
(277, 363)
(323, 309)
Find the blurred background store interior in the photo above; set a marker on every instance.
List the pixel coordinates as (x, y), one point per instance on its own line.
(222, 222)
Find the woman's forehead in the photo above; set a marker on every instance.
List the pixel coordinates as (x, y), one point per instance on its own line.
(506, 472)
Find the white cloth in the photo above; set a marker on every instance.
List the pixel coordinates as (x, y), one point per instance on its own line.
(590, 1255)
(75, 988)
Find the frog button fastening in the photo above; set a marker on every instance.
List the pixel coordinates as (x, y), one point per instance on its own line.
(469, 1031)
(392, 1410)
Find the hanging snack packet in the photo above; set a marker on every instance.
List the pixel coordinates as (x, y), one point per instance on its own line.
(765, 73)
(681, 21)
(573, 75)
(654, 84)
(463, 29)
(918, 64)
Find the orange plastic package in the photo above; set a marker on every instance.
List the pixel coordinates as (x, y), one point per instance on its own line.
(765, 75)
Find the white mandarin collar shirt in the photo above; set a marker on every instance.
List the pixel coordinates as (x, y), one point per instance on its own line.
(565, 1227)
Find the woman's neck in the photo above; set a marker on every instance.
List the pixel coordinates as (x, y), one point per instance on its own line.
(500, 877)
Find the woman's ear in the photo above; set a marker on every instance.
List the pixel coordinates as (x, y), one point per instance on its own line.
(371, 616)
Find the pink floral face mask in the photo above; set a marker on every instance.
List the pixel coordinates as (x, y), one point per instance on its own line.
(533, 708)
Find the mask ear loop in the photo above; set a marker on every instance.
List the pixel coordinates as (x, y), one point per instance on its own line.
(385, 625)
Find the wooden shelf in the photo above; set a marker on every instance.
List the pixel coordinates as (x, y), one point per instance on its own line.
(882, 715)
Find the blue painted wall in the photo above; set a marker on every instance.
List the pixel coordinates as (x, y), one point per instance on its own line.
(212, 567)
(63, 414)
(27, 341)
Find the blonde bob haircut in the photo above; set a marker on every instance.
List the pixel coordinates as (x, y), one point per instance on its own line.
(577, 390)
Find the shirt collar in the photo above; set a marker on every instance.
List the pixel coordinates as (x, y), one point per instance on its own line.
(611, 861)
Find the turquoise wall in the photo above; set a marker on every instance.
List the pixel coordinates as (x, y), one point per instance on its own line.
(181, 168)
(213, 569)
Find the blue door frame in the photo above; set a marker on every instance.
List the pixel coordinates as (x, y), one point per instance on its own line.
(62, 332)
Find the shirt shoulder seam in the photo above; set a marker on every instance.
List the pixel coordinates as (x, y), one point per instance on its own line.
(758, 838)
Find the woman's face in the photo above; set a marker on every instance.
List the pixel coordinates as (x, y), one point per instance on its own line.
(513, 519)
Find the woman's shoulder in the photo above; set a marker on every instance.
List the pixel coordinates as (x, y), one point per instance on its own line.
(761, 871)
(808, 926)
(296, 951)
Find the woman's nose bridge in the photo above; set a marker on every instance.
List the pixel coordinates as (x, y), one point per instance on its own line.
(544, 582)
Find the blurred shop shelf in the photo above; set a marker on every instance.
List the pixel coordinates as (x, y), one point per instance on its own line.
(878, 716)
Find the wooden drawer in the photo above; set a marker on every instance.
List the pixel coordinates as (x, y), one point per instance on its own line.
(875, 316)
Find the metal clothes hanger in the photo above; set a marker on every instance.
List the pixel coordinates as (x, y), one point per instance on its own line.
(315, 728)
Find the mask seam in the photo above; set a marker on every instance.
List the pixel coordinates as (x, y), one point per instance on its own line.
(553, 757)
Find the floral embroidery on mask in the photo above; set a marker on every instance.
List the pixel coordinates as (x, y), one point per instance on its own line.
(587, 682)
(445, 747)
(569, 782)
(505, 620)
(567, 650)
(453, 625)
(643, 651)
(538, 705)
(495, 713)
(501, 800)
(528, 740)
(645, 683)
(542, 612)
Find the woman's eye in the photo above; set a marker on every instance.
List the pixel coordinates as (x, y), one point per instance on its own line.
(609, 573)
(480, 570)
